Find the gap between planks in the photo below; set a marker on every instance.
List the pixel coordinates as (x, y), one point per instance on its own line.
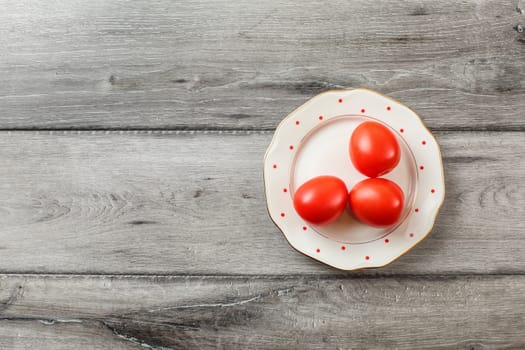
(356, 275)
(215, 131)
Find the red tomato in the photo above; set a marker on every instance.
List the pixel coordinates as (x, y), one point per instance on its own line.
(376, 202)
(374, 149)
(321, 200)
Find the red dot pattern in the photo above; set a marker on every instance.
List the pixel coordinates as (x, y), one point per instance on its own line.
(423, 142)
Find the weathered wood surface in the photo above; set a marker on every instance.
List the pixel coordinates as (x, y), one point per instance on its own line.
(270, 313)
(193, 203)
(246, 64)
(44, 334)
(140, 239)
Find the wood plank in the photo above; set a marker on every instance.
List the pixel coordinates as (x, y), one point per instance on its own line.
(270, 313)
(246, 64)
(193, 203)
(50, 334)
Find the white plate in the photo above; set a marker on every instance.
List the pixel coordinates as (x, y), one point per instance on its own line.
(313, 140)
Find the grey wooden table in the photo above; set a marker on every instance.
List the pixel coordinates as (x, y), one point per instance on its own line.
(131, 197)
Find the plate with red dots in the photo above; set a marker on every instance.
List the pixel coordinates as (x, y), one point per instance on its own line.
(313, 141)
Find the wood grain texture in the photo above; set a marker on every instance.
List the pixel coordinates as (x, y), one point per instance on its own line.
(193, 203)
(246, 64)
(57, 335)
(161, 239)
(271, 313)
